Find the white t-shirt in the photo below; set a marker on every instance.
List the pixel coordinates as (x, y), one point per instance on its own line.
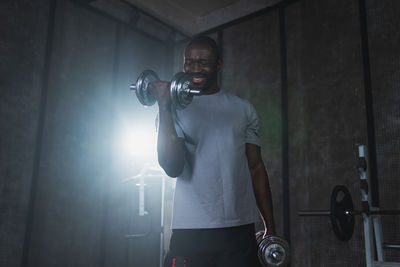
(215, 188)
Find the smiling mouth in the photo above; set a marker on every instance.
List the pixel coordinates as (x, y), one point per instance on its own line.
(198, 79)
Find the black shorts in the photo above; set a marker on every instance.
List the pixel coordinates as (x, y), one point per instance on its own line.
(220, 247)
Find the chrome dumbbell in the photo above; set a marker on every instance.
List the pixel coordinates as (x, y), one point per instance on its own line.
(273, 251)
(180, 89)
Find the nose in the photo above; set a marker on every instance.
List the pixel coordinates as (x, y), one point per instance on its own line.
(195, 67)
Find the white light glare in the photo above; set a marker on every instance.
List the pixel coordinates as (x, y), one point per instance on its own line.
(139, 143)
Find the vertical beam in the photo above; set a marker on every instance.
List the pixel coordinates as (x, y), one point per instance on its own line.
(369, 242)
(285, 134)
(111, 118)
(369, 105)
(170, 56)
(39, 133)
(221, 52)
(162, 249)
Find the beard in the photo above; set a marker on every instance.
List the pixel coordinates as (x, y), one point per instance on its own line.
(209, 81)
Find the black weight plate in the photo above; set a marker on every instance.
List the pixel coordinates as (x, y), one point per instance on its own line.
(142, 83)
(175, 88)
(179, 97)
(184, 98)
(341, 218)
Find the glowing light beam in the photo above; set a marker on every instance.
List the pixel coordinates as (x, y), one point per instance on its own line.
(138, 144)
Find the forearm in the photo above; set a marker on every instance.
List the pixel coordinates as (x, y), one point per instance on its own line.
(262, 192)
(170, 147)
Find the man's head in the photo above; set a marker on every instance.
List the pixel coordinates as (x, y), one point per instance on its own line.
(203, 61)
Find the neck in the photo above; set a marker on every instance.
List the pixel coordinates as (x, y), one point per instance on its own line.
(212, 89)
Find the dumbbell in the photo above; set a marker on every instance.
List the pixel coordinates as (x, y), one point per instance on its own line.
(180, 89)
(273, 251)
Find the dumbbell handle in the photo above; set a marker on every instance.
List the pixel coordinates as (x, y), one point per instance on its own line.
(194, 92)
(276, 255)
(190, 91)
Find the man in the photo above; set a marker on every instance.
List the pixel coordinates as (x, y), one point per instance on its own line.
(213, 148)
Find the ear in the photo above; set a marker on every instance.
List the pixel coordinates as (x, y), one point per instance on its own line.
(219, 65)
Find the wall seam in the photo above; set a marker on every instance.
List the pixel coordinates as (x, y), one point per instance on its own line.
(39, 133)
(285, 126)
(220, 40)
(115, 71)
(369, 105)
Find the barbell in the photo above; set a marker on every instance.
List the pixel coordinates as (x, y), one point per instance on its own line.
(342, 212)
(273, 251)
(180, 89)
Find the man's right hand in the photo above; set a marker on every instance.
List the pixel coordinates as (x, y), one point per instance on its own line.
(160, 90)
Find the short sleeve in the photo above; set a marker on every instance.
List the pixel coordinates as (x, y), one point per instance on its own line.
(252, 128)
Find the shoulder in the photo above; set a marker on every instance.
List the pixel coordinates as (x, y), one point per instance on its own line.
(241, 103)
(238, 100)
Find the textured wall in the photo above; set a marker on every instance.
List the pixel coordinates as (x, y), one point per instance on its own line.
(135, 54)
(178, 57)
(23, 30)
(93, 61)
(384, 37)
(252, 70)
(326, 121)
(68, 206)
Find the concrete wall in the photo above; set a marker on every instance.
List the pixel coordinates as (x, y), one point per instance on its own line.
(68, 204)
(384, 35)
(327, 117)
(134, 55)
(93, 60)
(326, 112)
(22, 56)
(326, 121)
(252, 71)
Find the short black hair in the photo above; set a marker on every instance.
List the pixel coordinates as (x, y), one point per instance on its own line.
(205, 40)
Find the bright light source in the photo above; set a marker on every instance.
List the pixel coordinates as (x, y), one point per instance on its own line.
(139, 144)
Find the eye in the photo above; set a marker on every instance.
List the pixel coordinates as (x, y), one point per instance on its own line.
(204, 62)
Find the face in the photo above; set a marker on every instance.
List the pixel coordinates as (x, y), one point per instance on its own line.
(201, 62)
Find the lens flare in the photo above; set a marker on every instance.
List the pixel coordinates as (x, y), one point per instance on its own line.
(138, 144)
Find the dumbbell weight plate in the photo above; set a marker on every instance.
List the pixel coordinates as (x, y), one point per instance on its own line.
(273, 251)
(180, 96)
(141, 87)
(342, 218)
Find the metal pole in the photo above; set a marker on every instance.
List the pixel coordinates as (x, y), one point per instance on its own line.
(366, 198)
(162, 222)
(314, 213)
